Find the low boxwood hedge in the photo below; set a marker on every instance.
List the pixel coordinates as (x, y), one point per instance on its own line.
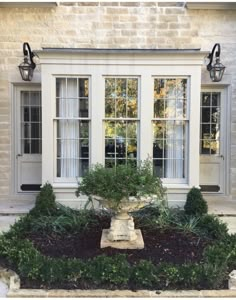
(219, 258)
(115, 272)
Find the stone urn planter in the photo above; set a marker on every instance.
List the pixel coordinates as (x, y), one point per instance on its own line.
(123, 189)
(122, 224)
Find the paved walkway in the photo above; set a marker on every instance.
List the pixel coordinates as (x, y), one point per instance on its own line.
(226, 210)
(12, 211)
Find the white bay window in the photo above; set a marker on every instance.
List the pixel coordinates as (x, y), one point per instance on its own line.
(114, 106)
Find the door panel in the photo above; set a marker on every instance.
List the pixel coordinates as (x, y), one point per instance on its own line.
(29, 140)
(211, 142)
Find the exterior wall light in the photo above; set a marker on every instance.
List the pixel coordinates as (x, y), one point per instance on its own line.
(27, 67)
(216, 70)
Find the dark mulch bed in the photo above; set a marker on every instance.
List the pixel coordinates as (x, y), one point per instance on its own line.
(167, 245)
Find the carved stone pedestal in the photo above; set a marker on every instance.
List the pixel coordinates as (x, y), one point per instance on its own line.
(122, 229)
(138, 243)
(122, 234)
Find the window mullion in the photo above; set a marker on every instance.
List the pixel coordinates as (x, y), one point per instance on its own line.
(146, 115)
(96, 115)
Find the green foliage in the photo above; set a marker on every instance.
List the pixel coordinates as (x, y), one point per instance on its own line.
(45, 202)
(160, 216)
(219, 258)
(195, 204)
(30, 263)
(211, 226)
(222, 252)
(147, 216)
(117, 272)
(20, 228)
(103, 269)
(211, 276)
(144, 274)
(121, 182)
(70, 221)
(187, 224)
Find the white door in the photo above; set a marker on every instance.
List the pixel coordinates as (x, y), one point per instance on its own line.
(28, 142)
(212, 164)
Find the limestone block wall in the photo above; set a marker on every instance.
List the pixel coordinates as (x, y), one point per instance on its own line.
(107, 25)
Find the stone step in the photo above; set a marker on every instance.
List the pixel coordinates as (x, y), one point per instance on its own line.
(222, 207)
(231, 223)
(7, 221)
(15, 208)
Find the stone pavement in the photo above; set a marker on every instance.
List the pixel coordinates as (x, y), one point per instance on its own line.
(226, 210)
(12, 211)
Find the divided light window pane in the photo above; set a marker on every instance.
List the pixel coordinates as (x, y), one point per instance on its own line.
(72, 135)
(210, 123)
(121, 112)
(170, 125)
(31, 122)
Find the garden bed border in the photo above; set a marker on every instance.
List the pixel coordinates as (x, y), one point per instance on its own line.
(12, 280)
(35, 293)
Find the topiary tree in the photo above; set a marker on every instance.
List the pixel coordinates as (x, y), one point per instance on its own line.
(195, 204)
(45, 201)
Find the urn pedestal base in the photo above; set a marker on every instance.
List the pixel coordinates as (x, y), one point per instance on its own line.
(138, 243)
(122, 228)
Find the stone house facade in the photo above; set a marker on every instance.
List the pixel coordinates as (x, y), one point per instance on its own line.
(116, 81)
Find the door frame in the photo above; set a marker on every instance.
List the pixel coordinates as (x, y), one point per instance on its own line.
(225, 133)
(16, 89)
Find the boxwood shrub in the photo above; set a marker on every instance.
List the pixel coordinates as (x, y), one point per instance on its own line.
(210, 273)
(219, 258)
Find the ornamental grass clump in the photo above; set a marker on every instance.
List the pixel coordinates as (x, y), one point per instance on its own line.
(122, 182)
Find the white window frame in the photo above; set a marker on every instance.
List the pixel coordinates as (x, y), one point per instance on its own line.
(137, 119)
(55, 119)
(97, 67)
(186, 119)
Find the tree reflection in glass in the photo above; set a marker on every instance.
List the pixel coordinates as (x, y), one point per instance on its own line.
(121, 104)
(120, 141)
(121, 97)
(169, 112)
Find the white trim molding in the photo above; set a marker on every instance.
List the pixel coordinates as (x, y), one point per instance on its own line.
(99, 63)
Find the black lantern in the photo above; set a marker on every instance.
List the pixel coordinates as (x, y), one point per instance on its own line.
(27, 67)
(216, 70)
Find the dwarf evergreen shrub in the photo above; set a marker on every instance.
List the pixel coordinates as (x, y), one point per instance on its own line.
(212, 227)
(195, 204)
(45, 202)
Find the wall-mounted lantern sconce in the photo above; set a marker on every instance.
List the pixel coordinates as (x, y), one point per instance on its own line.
(217, 69)
(27, 67)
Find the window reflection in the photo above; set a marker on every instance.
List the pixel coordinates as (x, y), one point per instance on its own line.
(210, 123)
(120, 140)
(169, 127)
(121, 97)
(170, 98)
(121, 103)
(31, 115)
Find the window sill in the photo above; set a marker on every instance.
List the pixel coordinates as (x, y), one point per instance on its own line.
(66, 185)
(177, 187)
